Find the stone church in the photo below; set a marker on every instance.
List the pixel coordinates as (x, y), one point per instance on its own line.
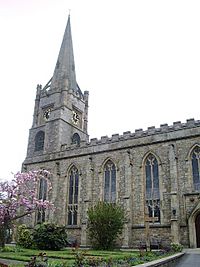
(153, 174)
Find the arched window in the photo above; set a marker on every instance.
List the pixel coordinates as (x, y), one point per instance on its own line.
(152, 187)
(39, 141)
(195, 156)
(73, 196)
(76, 139)
(42, 195)
(109, 182)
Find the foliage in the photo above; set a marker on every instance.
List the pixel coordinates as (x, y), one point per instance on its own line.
(94, 261)
(40, 261)
(105, 223)
(58, 264)
(91, 258)
(24, 236)
(49, 236)
(176, 247)
(14, 249)
(80, 257)
(18, 198)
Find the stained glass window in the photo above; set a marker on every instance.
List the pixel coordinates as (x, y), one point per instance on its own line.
(73, 196)
(39, 141)
(42, 196)
(195, 167)
(109, 182)
(152, 187)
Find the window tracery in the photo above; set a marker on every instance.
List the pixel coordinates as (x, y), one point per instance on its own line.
(109, 182)
(152, 187)
(42, 195)
(195, 157)
(73, 196)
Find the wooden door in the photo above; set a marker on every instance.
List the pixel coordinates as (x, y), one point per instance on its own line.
(197, 225)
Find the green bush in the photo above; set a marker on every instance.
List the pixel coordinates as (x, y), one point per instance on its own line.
(11, 249)
(105, 223)
(176, 247)
(49, 236)
(24, 236)
(38, 261)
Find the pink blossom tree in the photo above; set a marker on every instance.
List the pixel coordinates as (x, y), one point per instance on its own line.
(19, 198)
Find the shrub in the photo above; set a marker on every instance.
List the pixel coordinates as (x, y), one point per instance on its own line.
(15, 249)
(38, 261)
(105, 223)
(79, 257)
(176, 247)
(24, 236)
(49, 236)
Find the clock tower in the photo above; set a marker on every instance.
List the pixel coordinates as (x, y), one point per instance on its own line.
(61, 109)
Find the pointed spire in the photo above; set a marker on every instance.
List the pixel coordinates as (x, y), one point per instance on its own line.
(64, 73)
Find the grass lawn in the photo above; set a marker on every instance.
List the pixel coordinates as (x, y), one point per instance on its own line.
(67, 257)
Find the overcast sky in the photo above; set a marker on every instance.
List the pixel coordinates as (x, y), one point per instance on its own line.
(140, 61)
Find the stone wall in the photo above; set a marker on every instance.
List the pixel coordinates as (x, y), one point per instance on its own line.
(171, 145)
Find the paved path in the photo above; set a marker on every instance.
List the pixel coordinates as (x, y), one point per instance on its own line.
(190, 259)
(12, 262)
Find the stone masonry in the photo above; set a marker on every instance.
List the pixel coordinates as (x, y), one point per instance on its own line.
(61, 111)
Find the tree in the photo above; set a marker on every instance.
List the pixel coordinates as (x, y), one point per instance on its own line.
(18, 198)
(105, 223)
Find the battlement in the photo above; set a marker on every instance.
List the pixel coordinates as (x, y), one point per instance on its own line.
(164, 128)
(139, 133)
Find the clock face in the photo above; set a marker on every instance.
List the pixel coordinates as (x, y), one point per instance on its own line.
(46, 113)
(75, 118)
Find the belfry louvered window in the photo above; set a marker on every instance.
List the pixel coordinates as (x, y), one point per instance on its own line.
(109, 182)
(72, 208)
(152, 187)
(195, 167)
(42, 196)
(39, 141)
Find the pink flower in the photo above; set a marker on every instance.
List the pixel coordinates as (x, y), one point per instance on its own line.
(21, 194)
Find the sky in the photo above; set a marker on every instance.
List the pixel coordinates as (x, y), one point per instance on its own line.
(139, 59)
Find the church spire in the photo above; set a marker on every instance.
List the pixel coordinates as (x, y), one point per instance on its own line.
(64, 74)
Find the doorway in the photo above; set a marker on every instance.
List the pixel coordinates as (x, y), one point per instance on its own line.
(197, 225)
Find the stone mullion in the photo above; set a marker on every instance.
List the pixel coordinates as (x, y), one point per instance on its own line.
(152, 188)
(110, 185)
(73, 194)
(198, 172)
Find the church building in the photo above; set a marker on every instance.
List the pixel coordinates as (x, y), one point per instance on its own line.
(153, 174)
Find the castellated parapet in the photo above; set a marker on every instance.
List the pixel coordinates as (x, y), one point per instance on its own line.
(153, 135)
(169, 131)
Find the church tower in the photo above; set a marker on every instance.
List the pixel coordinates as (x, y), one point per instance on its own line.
(61, 109)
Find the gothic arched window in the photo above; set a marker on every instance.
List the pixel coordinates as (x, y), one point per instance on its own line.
(76, 139)
(73, 196)
(152, 187)
(39, 141)
(109, 182)
(195, 156)
(42, 195)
